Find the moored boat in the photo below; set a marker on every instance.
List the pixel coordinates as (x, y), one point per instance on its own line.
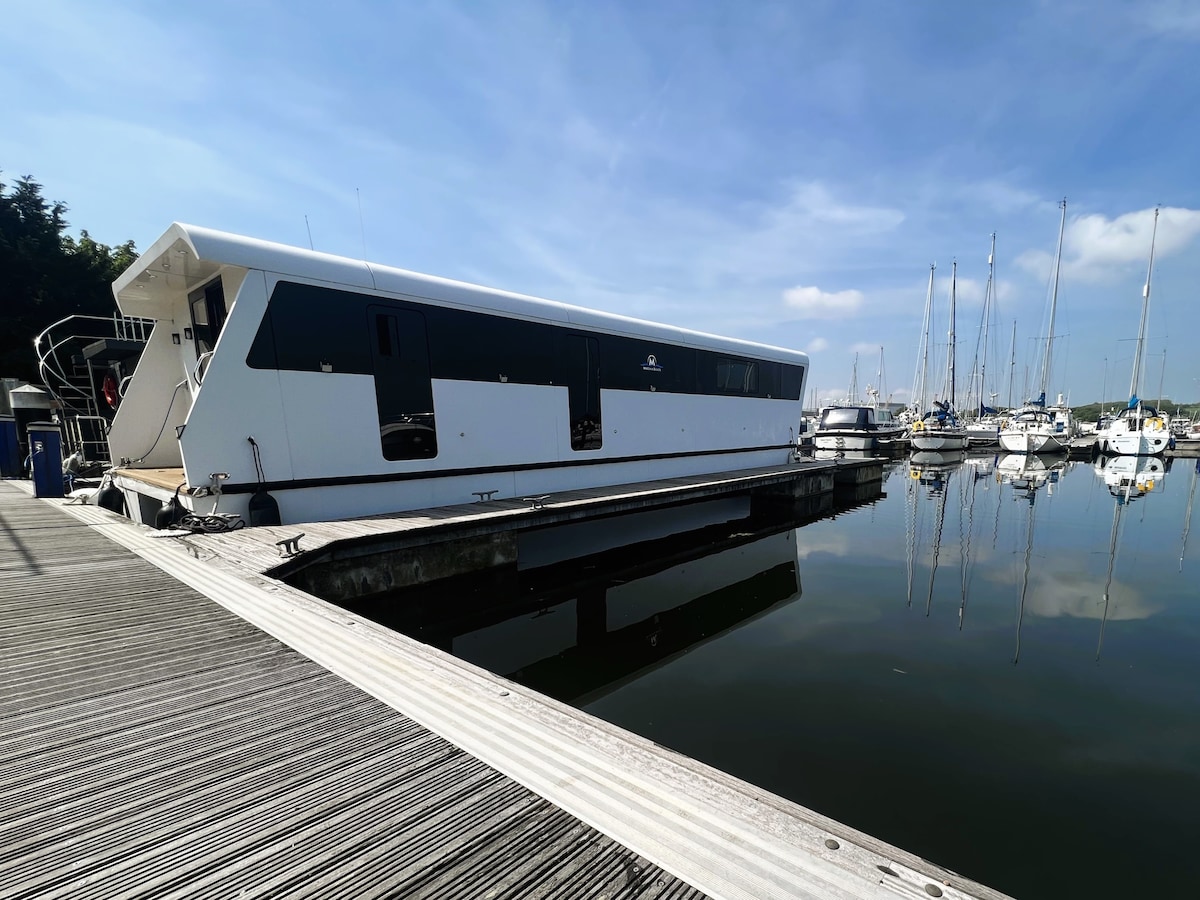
(1138, 429)
(855, 428)
(369, 389)
(1035, 427)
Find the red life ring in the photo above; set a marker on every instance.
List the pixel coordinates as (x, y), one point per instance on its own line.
(110, 389)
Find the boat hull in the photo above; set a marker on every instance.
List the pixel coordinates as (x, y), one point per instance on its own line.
(939, 439)
(1135, 444)
(844, 440)
(1032, 442)
(854, 438)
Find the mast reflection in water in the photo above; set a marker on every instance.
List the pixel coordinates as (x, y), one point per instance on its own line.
(884, 695)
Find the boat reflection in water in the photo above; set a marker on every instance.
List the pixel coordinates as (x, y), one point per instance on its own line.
(1187, 516)
(1128, 478)
(930, 472)
(1028, 473)
(582, 629)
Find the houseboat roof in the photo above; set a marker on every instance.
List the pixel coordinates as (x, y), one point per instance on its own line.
(187, 256)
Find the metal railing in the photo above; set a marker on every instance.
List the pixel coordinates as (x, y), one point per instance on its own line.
(79, 408)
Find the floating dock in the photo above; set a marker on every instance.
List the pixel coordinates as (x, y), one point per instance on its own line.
(181, 726)
(353, 558)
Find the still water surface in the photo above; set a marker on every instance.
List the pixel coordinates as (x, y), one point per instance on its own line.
(995, 666)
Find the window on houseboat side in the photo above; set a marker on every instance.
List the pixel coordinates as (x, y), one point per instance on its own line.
(208, 315)
(793, 381)
(582, 368)
(737, 376)
(403, 387)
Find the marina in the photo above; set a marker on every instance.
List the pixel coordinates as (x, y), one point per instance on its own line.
(1004, 679)
(631, 565)
(199, 729)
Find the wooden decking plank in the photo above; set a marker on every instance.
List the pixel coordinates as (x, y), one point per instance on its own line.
(181, 752)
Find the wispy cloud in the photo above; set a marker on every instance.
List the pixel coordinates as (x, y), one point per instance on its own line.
(814, 303)
(1171, 18)
(1095, 246)
(786, 171)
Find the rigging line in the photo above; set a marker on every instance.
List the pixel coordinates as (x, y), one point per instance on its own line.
(163, 427)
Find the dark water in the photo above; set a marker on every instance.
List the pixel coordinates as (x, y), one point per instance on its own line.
(997, 666)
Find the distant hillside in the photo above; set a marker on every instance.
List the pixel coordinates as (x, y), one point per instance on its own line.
(1091, 412)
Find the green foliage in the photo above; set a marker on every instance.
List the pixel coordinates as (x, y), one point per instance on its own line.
(1091, 412)
(47, 274)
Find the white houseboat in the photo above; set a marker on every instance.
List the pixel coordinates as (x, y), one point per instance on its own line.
(369, 389)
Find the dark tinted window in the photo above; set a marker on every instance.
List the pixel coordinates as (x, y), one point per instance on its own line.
(793, 381)
(403, 390)
(312, 329)
(637, 365)
(737, 376)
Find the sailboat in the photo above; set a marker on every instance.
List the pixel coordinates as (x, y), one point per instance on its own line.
(939, 428)
(1036, 427)
(1138, 429)
(983, 426)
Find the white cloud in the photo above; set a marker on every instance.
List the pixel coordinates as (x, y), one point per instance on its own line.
(969, 292)
(1094, 245)
(865, 347)
(816, 345)
(1173, 18)
(814, 303)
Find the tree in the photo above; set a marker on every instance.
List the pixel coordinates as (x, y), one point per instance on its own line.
(45, 274)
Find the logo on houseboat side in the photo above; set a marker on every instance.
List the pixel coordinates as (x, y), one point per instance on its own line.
(651, 364)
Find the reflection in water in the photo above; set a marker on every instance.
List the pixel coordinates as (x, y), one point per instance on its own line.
(1127, 478)
(930, 469)
(1130, 478)
(1027, 474)
(579, 630)
(1187, 516)
(715, 657)
(930, 472)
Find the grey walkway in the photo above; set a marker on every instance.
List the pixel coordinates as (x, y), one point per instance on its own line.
(153, 744)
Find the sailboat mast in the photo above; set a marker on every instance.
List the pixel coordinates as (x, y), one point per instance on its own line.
(1141, 338)
(1012, 362)
(988, 299)
(1062, 226)
(950, 353)
(923, 362)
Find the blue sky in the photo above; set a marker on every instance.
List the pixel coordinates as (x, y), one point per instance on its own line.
(783, 172)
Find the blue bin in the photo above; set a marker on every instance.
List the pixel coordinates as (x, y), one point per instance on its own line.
(10, 448)
(45, 448)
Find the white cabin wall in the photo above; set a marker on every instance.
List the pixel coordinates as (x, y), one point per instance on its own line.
(332, 424)
(637, 423)
(235, 402)
(499, 424)
(151, 397)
